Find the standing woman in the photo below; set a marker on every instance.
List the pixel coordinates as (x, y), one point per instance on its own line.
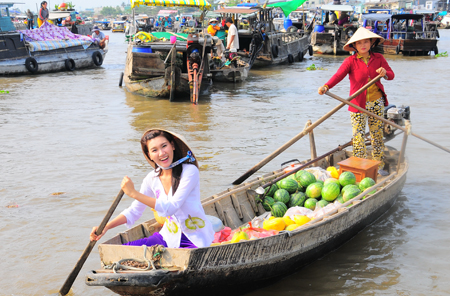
(362, 67)
(172, 189)
(43, 14)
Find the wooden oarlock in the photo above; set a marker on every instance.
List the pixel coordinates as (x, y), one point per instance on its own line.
(312, 142)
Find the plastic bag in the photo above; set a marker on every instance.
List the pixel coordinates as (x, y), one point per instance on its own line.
(216, 223)
(319, 211)
(222, 235)
(319, 173)
(258, 221)
(291, 212)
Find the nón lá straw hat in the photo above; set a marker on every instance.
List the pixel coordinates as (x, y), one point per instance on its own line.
(361, 34)
(179, 140)
(213, 20)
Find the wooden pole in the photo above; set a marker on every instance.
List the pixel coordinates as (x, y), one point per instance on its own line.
(312, 142)
(301, 135)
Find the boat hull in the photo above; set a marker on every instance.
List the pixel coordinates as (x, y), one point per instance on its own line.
(239, 74)
(407, 46)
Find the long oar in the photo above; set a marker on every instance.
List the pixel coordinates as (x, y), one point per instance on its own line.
(73, 275)
(300, 135)
(385, 120)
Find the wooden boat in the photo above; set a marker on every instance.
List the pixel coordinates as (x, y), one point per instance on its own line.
(261, 44)
(118, 26)
(19, 56)
(147, 71)
(330, 38)
(404, 33)
(234, 70)
(252, 264)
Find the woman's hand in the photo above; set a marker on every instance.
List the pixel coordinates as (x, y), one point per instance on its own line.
(127, 186)
(95, 237)
(381, 71)
(322, 90)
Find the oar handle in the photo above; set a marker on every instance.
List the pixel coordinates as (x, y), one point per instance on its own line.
(76, 270)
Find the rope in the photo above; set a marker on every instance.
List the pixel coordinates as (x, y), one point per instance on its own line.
(157, 250)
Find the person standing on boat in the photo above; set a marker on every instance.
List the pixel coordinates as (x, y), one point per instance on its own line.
(43, 14)
(30, 17)
(232, 37)
(172, 189)
(99, 37)
(213, 27)
(361, 67)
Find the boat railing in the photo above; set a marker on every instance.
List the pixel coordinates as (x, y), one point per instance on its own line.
(410, 35)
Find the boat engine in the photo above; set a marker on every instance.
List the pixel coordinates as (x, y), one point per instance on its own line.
(232, 57)
(397, 115)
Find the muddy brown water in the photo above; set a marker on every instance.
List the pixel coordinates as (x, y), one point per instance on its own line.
(67, 140)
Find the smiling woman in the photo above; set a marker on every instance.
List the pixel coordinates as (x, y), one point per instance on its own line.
(172, 189)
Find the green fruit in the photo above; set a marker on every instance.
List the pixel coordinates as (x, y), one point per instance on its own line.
(288, 184)
(300, 188)
(351, 193)
(310, 203)
(332, 180)
(271, 191)
(322, 203)
(314, 190)
(330, 191)
(345, 188)
(282, 195)
(268, 202)
(298, 174)
(340, 198)
(366, 183)
(297, 199)
(347, 178)
(306, 178)
(320, 181)
(278, 209)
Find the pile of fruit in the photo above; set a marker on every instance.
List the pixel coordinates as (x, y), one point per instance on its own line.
(302, 189)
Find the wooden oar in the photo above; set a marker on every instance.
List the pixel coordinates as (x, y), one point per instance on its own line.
(385, 121)
(73, 275)
(300, 135)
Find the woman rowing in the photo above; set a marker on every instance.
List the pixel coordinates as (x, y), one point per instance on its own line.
(172, 189)
(362, 67)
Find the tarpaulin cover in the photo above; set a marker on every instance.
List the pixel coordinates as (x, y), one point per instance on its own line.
(49, 32)
(288, 7)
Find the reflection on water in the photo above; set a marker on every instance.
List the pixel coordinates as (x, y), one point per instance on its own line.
(78, 133)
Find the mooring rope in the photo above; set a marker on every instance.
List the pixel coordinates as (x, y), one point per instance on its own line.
(156, 256)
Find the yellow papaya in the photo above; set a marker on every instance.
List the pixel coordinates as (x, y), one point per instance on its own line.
(238, 236)
(288, 221)
(292, 227)
(300, 219)
(274, 224)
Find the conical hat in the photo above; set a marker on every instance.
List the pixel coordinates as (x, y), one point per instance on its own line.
(361, 34)
(178, 139)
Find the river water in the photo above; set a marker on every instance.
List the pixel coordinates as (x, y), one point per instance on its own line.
(67, 140)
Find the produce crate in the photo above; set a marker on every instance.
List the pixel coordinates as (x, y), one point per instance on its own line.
(360, 167)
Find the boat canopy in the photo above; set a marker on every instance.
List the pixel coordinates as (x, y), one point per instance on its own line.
(332, 7)
(119, 22)
(53, 15)
(407, 16)
(424, 11)
(381, 17)
(236, 10)
(288, 7)
(203, 4)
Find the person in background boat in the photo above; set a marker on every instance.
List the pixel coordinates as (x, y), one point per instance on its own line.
(172, 189)
(232, 37)
(30, 17)
(333, 17)
(99, 37)
(213, 26)
(361, 67)
(43, 14)
(343, 19)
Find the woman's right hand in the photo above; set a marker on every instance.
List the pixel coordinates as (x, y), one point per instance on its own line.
(322, 90)
(95, 237)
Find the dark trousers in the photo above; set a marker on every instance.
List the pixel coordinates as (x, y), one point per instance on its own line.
(30, 24)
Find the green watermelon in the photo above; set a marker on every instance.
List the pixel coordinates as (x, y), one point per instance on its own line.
(347, 178)
(366, 183)
(314, 190)
(322, 203)
(310, 203)
(298, 174)
(330, 191)
(289, 184)
(340, 198)
(320, 181)
(348, 187)
(271, 191)
(332, 180)
(268, 202)
(278, 209)
(282, 195)
(300, 188)
(351, 193)
(297, 199)
(306, 178)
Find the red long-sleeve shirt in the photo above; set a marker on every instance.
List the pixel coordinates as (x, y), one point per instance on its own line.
(359, 73)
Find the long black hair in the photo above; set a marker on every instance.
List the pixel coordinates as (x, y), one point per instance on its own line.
(177, 170)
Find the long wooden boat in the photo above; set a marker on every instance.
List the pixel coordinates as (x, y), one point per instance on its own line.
(402, 37)
(236, 71)
(247, 265)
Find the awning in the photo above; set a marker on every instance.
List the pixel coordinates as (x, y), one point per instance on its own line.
(240, 10)
(381, 17)
(331, 7)
(203, 4)
(288, 7)
(407, 16)
(53, 15)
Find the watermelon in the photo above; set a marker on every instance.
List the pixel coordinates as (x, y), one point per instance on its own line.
(298, 174)
(271, 191)
(300, 188)
(278, 209)
(350, 193)
(347, 178)
(330, 191)
(297, 199)
(310, 203)
(348, 187)
(332, 180)
(282, 195)
(340, 198)
(268, 202)
(314, 190)
(306, 178)
(289, 184)
(322, 203)
(366, 183)
(320, 181)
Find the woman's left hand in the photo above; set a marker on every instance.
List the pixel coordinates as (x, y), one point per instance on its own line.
(381, 71)
(127, 186)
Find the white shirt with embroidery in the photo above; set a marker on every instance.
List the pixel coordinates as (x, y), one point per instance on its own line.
(184, 207)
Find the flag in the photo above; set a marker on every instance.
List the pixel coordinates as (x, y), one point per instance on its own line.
(288, 7)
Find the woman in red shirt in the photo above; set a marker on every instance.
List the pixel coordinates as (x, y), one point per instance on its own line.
(362, 67)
